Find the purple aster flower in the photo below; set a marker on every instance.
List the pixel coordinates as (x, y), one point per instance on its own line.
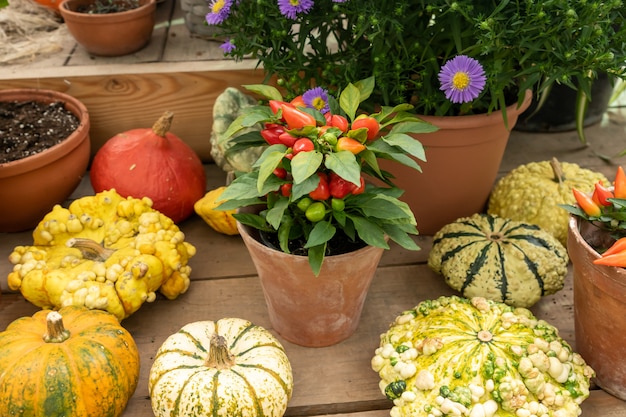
(290, 8)
(339, 1)
(228, 46)
(462, 79)
(219, 11)
(317, 98)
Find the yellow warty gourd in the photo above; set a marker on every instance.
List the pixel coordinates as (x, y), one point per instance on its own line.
(532, 193)
(104, 252)
(221, 221)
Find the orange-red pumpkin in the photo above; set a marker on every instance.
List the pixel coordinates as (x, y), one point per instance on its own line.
(72, 362)
(151, 163)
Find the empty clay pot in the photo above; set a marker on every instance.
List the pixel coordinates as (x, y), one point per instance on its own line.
(31, 186)
(110, 34)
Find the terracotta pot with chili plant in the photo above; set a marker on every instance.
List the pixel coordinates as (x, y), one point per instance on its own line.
(596, 245)
(309, 183)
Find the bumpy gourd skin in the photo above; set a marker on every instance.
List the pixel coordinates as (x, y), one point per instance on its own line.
(141, 251)
(531, 193)
(504, 260)
(221, 221)
(478, 358)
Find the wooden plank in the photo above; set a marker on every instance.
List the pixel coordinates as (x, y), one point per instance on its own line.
(120, 102)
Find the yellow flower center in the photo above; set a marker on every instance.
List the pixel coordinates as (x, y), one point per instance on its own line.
(318, 103)
(294, 3)
(217, 6)
(461, 80)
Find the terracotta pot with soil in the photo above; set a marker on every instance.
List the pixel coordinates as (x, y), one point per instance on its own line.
(36, 174)
(120, 28)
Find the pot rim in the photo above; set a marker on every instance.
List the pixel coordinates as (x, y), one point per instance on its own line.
(476, 120)
(55, 152)
(145, 7)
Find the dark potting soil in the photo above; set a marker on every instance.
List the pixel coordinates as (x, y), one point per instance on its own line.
(27, 128)
(339, 244)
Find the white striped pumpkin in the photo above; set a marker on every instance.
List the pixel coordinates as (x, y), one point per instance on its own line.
(500, 259)
(228, 367)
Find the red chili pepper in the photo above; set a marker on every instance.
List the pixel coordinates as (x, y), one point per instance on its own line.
(272, 134)
(280, 173)
(618, 246)
(586, 203)
(360, 188)
(601, 194)
(350, 145)
(617, 259)
(619, 188)
(298, 102)
(339, 122)
(285, 189)
(322, 191)
(369, 123)
(296, 118)
(287, 139)
(339, 187)
(303, 145)
(276, 105)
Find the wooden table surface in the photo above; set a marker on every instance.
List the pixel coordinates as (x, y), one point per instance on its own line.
(335, 380)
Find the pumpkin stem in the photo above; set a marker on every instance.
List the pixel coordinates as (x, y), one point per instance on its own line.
(90, 249)
(556, 169)
(219, 355)
(162, 126)
(56, 333)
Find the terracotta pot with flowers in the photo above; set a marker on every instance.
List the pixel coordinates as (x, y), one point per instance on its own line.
(314, 228)
(597, 248)
(406, 44)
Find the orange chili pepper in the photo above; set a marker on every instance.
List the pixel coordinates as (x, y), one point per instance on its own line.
(620, 183)
(601, 194)
(617, 259)
(350, 145)
(618, 246)
(586, 203)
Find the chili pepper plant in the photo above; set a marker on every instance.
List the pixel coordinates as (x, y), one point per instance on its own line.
(316, 180)
(605, 208)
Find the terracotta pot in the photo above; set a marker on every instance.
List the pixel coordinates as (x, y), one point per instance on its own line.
(599, 306)
(463, 159)
(308, 310)
(30, 187)
(110, 34)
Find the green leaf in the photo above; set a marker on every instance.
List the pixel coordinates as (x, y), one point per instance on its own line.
(366, 87)
(400, 236)
(275, 215)
(267, 91)
(384, 150)
(413, 127)
(370, 232)
(242, 187)
(382, 206)
(407, 143)
(249, 119)
(349, 100)
(316, 258)
(322, 232)
(305, 187)
(345, 165)
(305, 164)
(235, 204)
(252, 220)
(270, 161)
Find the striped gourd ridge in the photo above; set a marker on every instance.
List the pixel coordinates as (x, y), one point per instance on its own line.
(71, 362)
(228, 367)
(500, 259)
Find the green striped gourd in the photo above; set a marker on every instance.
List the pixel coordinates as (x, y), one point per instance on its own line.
(478, 358)
(500, 259)
(228, 367)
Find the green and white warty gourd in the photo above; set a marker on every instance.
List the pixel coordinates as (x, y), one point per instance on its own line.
(478, 358)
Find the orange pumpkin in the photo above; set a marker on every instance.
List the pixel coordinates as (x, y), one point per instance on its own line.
(74, 362)
(51, 4)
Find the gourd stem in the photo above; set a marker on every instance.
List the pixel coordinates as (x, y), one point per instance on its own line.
(484, 336)
(556, 169)
(219, 355)
(56, 332)
(90, 249)
(162, 126)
